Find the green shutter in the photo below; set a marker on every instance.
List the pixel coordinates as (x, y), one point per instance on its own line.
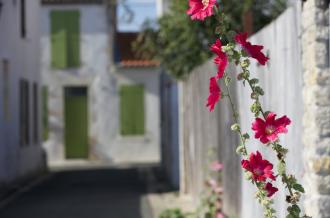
(73, 28)
(132, 110)
(58, 40)
(65, 39)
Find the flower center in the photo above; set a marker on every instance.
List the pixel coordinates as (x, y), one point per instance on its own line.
(205, 3)
(270, 129)
(258, 172)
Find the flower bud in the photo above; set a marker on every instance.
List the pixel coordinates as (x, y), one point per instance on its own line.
(227, 81)
(254, 96)
(245, 63)
(235, 127)
(248, 175)
(246, 74)
(240, 76)
(240, 149)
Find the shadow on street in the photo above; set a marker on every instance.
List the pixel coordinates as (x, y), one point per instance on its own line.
(100, 193)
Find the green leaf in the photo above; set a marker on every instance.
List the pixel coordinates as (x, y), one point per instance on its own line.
(294, 211)
(298, 187)
(254, 81)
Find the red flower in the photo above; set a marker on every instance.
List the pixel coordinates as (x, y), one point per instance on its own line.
(260, 169)
(268, 130)
(253, 50)
(221, 60)
(200, 9)
(215, 94)
(270, 189)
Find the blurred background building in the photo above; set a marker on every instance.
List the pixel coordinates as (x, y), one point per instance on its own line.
(100, 110)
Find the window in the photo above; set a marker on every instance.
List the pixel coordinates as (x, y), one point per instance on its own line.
(35, 113)
(132, 110)
(24, 112)
(6, 90)
(45, 130)
(65, 39)
(23, 19)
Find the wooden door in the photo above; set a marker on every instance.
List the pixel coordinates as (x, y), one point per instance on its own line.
(76, 122)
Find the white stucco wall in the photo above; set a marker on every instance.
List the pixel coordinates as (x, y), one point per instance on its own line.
(103, 81)
(23, 57)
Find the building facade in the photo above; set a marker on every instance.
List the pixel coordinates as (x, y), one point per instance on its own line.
(98, 110)
(21, 154)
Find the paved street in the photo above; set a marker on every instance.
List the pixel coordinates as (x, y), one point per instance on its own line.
(82, 194)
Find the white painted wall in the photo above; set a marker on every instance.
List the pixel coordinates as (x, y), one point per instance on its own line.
(23, 56)
(103, 81)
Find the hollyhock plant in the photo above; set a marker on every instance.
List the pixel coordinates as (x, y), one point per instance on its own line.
(260, 169)
(200, 9)
(221, 60)
(216, 166)
(253, 50)
(271, 190)
(212, 183)
(268, 130)
(215, 94)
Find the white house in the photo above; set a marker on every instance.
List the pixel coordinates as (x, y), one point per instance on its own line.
(21, 154)
(98, 111)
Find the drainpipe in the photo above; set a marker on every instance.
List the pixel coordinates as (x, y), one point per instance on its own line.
(111, 13)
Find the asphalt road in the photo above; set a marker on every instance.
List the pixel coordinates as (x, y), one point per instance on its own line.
(106, 193)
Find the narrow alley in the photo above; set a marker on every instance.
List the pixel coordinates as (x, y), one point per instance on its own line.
(98, 193)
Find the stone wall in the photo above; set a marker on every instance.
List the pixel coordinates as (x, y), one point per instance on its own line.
(316, 136)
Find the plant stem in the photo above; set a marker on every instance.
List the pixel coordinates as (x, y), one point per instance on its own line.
(235, 116)
(259, 186)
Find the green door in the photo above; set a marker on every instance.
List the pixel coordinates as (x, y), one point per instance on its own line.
(76, 122)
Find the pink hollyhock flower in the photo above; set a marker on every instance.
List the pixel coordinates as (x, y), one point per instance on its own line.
(216, 166)
(270, 189)
(200, 9)
(269, 129)
(219, 215)
(253, 50)
(215, 94)
(221, 60)
(212, 183)
(218, 190)
(260, 169)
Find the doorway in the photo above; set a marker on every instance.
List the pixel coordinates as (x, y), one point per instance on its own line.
(76, 122)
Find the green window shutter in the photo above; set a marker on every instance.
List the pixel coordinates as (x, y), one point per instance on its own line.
(132, 110)
(58, 40)
(73, 29)
(65, 39)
